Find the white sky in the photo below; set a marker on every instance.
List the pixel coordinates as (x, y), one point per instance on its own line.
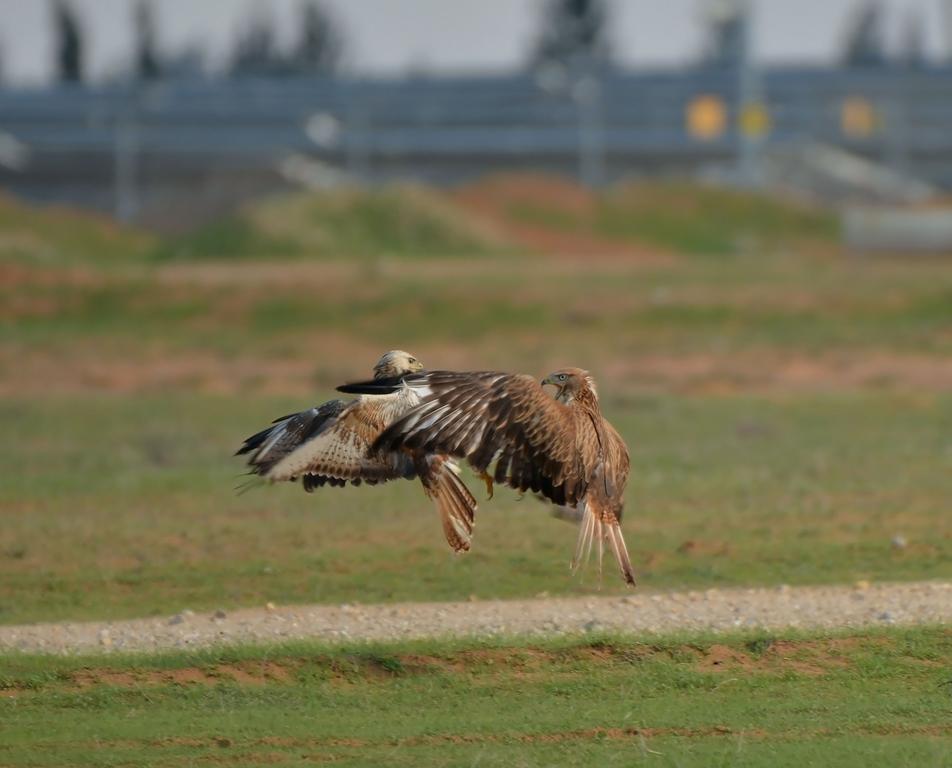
(393, 37)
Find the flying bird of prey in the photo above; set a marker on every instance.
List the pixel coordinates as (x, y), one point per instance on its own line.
(330, 445)
(561, 448)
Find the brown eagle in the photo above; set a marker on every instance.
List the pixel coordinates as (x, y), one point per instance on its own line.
(330, 445)
(562, 449)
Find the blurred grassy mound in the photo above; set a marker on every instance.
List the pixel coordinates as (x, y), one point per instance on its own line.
(682, 217)
(399, 221)
(498, 216)
(59, 236)
(710, 220)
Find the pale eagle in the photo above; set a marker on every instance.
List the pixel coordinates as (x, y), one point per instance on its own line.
(330, 445)
(562, 449)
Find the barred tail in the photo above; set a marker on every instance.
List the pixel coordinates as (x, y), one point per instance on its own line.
(617, 542)
(455, 504)
(602, 526)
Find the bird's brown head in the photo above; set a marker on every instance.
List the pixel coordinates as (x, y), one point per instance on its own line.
(570, 383)
(396, 362)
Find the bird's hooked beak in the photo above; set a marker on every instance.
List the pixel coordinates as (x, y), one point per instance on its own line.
(417, 366)
(547, 380)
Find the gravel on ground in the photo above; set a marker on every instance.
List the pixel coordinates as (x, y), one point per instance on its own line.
(825, 607)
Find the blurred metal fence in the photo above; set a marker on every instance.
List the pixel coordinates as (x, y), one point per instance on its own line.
(128, 148)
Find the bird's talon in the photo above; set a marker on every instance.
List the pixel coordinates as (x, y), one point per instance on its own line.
(488, 479)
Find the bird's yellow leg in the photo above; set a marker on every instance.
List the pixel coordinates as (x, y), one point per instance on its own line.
(488, 479)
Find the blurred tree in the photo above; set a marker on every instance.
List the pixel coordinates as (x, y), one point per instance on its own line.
(319, 48)
(147, 57)
(724, 20)
(255, 53)
(573, 34)
(186, 64)
(865, 46)
(69, 43)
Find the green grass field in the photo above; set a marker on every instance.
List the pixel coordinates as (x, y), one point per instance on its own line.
(787, 405)
(846, 700)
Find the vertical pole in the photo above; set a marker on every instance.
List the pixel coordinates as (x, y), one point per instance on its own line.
(750, 96)
(897, 133)
(358, 146)
(587, 94)
(125, 149)
(947, 30)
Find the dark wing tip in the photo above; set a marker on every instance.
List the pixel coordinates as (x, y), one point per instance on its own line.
(378, 386)
(366, 388)
(253, 442)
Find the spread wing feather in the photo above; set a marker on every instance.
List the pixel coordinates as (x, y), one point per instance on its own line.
(328, 445)
(271, 445)
(342, 451)
(499, 421)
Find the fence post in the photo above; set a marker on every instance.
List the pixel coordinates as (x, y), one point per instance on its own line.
(125, 151)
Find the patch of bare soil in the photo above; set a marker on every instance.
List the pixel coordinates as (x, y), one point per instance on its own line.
(813, 658)
(88, 367)
(15, 276)
(553, 193)
(91, 368)
(243, 673)
(809, 657)
(768, 371)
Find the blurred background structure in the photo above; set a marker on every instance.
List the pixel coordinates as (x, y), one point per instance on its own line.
(279, 106)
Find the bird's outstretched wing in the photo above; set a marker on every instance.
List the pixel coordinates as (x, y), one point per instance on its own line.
(327, 445)
(286, 434)
(497, 421)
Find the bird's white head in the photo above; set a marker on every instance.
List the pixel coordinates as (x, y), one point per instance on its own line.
(396, 362)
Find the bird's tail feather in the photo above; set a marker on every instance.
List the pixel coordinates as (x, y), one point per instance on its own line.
(601, 526)
(455, 504)
(583, 546)
(617, 542)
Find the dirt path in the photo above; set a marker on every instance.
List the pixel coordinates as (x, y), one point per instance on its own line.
(640, 612)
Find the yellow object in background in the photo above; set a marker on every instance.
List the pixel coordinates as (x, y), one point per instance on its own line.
(755, 120)
(706, 118)
(858, 118)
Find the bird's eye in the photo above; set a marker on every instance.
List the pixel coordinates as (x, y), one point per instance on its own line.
(561, 377)
(412, 359)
